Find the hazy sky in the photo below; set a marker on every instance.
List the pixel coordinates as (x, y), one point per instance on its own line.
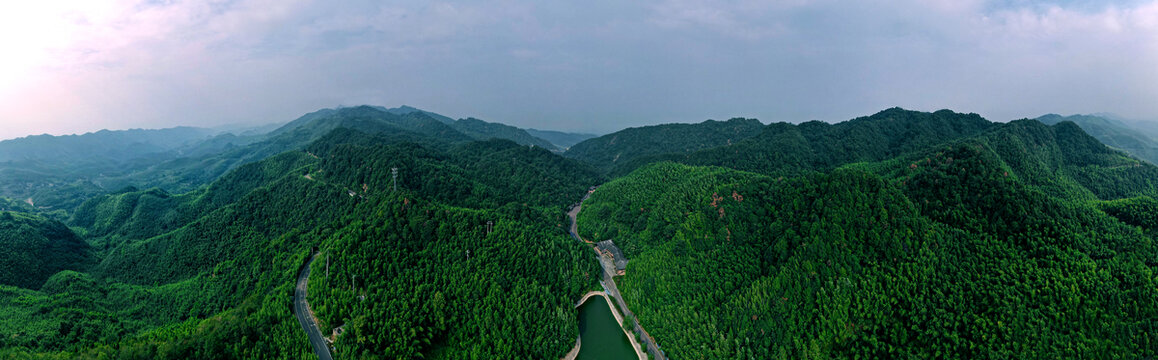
(70, 66)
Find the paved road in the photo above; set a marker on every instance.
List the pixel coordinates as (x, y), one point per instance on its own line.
(302, 311)
(574, 224)
(574, 213)
(612, 289)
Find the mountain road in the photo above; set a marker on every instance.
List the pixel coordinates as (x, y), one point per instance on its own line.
(306, 317)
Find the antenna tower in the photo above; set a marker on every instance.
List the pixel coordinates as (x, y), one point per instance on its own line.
(394, 172)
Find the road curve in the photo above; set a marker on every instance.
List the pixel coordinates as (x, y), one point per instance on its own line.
(305, 317)
(574, 214)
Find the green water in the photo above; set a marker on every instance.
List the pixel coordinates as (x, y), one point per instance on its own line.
(602, 337)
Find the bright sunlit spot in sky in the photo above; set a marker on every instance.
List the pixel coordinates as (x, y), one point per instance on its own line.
(33, 34)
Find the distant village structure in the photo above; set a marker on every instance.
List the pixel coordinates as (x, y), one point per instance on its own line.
(612, 254)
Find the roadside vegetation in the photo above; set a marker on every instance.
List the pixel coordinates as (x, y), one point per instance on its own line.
(897, 235)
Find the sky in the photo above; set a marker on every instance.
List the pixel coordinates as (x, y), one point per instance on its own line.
(72, 66)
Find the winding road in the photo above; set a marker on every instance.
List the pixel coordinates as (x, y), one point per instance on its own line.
(305, 316)
(612, 291)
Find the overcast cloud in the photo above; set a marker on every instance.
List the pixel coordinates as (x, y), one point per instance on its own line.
(76, 66)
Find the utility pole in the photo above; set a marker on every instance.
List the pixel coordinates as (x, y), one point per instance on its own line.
(394, 171)
(490, 225)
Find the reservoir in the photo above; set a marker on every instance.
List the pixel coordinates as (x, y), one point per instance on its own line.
(602, 337)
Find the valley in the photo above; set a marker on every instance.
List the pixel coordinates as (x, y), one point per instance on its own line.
(306, 317)
(610, 291)
(899, 234)
(610, 180)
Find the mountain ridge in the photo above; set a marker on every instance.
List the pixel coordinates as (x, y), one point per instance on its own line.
(897, 234)
(608, 150)
(1113, 132)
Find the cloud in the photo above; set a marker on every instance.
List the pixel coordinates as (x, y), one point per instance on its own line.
(742, 20)
(592, 66)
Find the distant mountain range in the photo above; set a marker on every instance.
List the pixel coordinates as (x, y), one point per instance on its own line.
(107, 146)
(900, 234)
(1135, 138)
(561, 139)
(183, 158)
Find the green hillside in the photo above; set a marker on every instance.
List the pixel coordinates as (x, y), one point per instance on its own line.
(68, 170)
(93, 149)
(460, 284)
(786, 149)
(35, 248)
(903, 234)
(609, 152)
(181, 273)
(189, 173)
(563, 140)
(405, 109)
(988, 246)
(1113, 133)
(60, 172)
(478, 129)
(483, 130)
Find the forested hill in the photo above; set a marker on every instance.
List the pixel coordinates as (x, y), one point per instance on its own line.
(475, 174)
(994, 245)
(902, 234)
(187, 174)
(1114, 133)
(478, 225)
(69, 170)
(416, 124)
(405, 109)
(57, 172)
(483, 130)
(1064, 162)
(36, 248)
(787, 149)
(364, 118)
(563, 140)
(609, 151)
(99, 147)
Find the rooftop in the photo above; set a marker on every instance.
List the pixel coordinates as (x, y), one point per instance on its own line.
(616, 254)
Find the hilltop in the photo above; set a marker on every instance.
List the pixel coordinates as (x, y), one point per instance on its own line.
(626, 146)
(898, 234)
(1114, 133)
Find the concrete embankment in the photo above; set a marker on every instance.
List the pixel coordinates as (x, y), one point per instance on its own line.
(618, 320)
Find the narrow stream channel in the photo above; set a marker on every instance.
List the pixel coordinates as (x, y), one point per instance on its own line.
(602, 337)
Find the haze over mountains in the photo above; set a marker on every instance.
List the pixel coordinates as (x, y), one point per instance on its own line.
(897, 234)
(1136, 138)
(678, 179)
(180, 159)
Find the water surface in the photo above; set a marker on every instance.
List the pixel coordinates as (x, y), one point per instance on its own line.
(602, 337)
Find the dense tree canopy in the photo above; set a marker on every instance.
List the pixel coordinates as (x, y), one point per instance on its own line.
(621, 151)
(179, 274)
(983, 247)
(35, 248)
(898, 235)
